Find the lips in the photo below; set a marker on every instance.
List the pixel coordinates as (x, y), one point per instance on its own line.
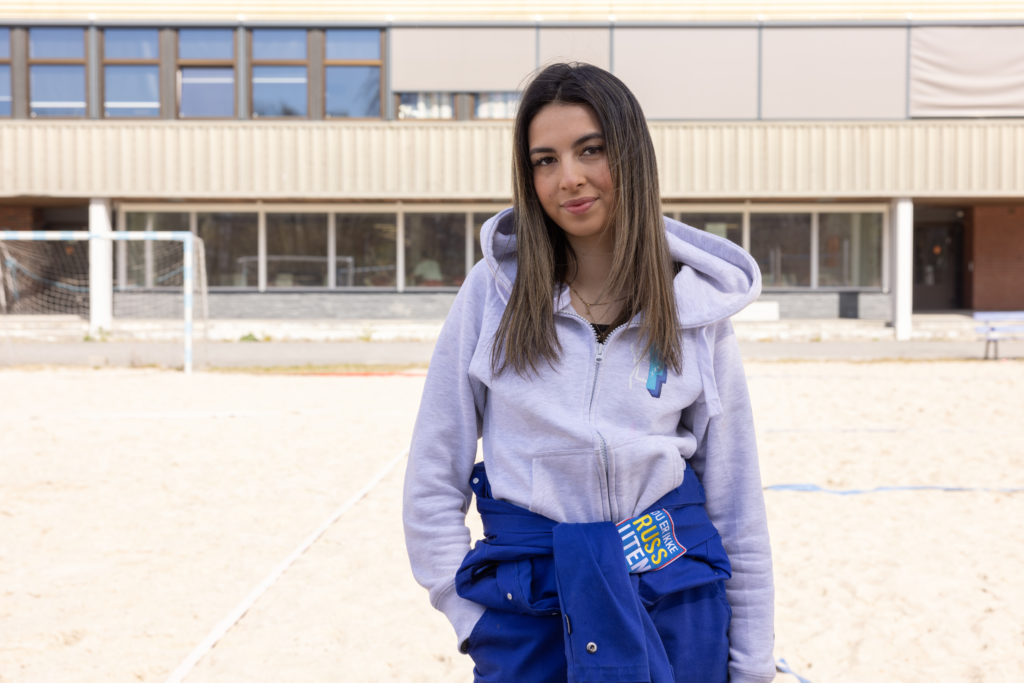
(578, 206)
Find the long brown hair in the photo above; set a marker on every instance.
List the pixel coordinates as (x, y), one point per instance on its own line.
(641, 266)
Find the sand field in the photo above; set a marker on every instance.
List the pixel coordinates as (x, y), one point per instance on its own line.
(139, 508)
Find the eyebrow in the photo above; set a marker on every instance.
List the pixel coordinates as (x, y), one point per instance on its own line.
(576, 143)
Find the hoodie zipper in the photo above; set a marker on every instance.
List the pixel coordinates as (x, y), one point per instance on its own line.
(602, 450)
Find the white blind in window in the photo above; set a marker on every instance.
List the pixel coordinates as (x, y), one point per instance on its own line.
(461, 60)
(834, 73)
(589, 45)
(967, 71)
(686, 73)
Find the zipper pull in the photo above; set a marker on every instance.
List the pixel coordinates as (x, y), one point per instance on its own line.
(600, 351)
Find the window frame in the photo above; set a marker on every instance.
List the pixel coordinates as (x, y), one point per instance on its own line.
(333, 210)
(379, 63)
(31, 61)
(675, 208)
(252, 63)
(132, 61)
(475, 102)
(457, 106)
(6, 61)
(180, 63)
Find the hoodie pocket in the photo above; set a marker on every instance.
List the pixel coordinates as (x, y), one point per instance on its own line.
(569, 486)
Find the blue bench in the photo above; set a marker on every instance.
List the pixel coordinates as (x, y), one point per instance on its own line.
(999, 325)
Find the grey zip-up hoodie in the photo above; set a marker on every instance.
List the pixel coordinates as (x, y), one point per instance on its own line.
(600, 435)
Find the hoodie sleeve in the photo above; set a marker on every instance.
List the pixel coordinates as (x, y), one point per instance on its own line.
(444, 445)
(726, 463)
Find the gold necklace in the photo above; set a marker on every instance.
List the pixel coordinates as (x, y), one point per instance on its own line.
(595, 303)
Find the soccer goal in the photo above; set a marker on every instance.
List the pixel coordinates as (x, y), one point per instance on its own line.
(155, 288)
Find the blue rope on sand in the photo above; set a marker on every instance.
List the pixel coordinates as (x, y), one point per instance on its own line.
(814, 488)
(783, 667)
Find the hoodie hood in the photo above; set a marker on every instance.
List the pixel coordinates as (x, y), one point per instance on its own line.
(716, 279)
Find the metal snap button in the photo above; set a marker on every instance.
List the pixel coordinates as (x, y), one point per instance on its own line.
(508, 596)
(591, 647)
(476, 480)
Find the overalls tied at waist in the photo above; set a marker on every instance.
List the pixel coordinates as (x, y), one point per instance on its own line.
(530, 564)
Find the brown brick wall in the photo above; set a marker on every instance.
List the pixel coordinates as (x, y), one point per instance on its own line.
(14, 217)
(998, 241)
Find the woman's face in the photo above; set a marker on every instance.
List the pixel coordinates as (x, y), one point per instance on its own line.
(570, 172)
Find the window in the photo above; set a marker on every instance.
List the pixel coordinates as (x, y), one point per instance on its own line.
(135, 262)
(727, 225)
(131, 72)
(352, 73)
(496, 105)
(296, 250)
(230, 244)
(478, 223)
(435, 249)
(56, 71)
(5, 72)
(206, 73)
(781, 245)
(279, 72)
(850, 250)
(426, 105)
(365, 251)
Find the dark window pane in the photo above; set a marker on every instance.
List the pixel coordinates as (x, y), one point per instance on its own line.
(5, 43)
(277, 43)
(426, 105)
(131, 43)
(56, 43)
(5, 90)
(57, 90)
(353, 91)
(781, 245)
(230, 243)
(435, 249)
(132, 90)
(478, 223)
(366, 249)
(207, 91)
(353, 44)
(296, 250)
(279, 90)
(850, 250)
(206, 43)
(141, 267)
(727, 225)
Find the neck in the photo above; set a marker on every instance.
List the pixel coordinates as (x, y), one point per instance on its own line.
(593, 263)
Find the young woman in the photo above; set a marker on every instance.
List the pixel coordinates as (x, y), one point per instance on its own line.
(591, 349)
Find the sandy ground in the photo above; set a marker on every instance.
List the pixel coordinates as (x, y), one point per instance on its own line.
(138, 508)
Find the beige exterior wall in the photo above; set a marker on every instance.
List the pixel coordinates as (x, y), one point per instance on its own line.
(471, 160)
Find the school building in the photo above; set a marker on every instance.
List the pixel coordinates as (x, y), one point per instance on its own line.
(338, 158)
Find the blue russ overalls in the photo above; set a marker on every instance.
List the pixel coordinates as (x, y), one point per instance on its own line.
(562, 604)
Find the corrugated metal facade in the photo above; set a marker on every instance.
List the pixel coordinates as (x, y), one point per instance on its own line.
(474, 10)
(471, 160)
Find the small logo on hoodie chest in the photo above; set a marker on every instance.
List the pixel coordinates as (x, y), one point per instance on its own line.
(657, 375)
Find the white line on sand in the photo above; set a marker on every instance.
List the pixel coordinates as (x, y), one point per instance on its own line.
(239, 611)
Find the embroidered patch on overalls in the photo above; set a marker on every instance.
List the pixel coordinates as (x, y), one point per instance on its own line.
(649, 541)
(656, 375)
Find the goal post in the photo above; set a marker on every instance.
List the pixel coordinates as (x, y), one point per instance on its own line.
(48, 273)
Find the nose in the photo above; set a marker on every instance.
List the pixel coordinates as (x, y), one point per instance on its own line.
(572, 174)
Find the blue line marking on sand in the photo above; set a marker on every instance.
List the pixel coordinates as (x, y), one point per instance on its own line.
(783, 667)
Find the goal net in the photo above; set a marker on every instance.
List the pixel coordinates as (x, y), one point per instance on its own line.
(156, 290)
